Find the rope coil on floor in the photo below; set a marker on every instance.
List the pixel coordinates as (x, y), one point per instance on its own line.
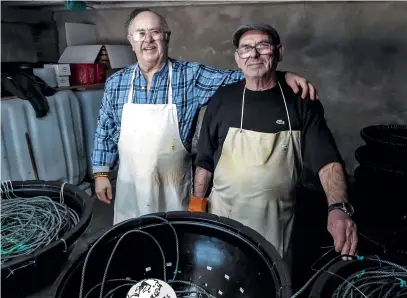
(197, 291)
(31, 223)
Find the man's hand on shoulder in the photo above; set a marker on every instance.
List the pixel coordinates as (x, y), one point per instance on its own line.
(295, 81)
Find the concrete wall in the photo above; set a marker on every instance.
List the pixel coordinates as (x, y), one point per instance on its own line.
(355, 53)
(28, 36)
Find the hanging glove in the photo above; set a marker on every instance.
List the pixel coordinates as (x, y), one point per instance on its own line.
(197, 204)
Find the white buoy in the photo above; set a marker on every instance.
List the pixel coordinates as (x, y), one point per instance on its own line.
(151, 288)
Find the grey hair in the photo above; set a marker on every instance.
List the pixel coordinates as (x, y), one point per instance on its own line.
(137, 11)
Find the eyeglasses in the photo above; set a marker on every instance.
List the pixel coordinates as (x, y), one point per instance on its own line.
(263, 48)
(156, 34)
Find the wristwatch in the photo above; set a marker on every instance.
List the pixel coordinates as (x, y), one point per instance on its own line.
(345, 207)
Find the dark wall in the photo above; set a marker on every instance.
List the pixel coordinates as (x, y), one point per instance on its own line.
(28, 36)
(355, 53)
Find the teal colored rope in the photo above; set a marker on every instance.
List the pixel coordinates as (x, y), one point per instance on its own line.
(29, 224)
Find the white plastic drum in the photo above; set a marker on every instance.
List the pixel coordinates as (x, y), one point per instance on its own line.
(57, 140)
(89, 101)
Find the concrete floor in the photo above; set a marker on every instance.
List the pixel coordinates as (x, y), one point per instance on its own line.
(309, 236)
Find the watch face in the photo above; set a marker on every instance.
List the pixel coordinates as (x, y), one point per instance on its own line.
(349, 208)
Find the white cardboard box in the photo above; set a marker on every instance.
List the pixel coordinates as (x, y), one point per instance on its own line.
(60, 69)
(63, 81)
(119, 55)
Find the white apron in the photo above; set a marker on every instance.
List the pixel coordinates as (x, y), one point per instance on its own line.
(254, 181)
(155, 168)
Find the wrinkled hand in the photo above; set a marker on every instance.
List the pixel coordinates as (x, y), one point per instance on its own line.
(294, 81)
(103, 189)
(343, 231)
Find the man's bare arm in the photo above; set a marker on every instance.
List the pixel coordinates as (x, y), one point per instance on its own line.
(202, 180)
(340, 226)
(334, 183)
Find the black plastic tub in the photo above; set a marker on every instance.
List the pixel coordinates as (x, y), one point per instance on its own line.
(374, 178)
(389, 137)
(330, 279)
(390, 162)
(220, 255)
(28, 274)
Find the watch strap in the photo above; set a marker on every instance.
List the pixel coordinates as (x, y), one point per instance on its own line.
(345, 207)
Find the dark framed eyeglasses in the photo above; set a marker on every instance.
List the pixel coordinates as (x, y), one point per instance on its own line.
(263, 48)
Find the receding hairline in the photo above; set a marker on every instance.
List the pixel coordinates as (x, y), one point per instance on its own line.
(135, 14)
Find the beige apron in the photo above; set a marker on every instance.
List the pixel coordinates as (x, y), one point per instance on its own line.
(254, 181)
(155, 168)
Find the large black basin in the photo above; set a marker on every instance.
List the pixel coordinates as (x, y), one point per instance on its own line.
(363, 276)
(220, 255)
(22, 276)
(389, 137)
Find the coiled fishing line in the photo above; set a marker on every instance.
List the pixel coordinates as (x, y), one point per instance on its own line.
(379, 281)
(29, 224)
(386, 280)
(194, 291)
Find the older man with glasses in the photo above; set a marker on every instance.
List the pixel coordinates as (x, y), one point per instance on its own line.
(146, 121)
(254, 136)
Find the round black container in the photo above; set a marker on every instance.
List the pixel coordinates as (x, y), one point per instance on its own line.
(388, 183)
(221, 255)
(23, 276)
(380, 213)
(393, 137)
(328, 281)
(391, 163)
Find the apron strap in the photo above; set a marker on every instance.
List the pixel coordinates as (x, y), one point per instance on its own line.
(169, 82)
(131, 91)
(130, 98)
(286, 109)
(241, 116)
(285, 104)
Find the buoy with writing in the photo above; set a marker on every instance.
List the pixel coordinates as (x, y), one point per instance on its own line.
(151, 288)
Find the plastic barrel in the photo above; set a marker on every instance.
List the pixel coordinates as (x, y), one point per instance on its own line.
(28, 274)
(382, 160)
(224, 257)
(387, 137)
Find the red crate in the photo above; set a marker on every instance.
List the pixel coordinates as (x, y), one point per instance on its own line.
(87, 73)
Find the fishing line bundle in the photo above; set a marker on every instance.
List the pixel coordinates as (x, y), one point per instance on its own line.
(28, 224)
(196, 254)
(362, 277)
(40, 222)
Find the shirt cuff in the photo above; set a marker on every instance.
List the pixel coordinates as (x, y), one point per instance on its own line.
(99, 169)
(204, 164)
(325, 160)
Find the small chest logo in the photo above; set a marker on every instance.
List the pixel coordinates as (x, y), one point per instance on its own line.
(281, 122)
(284, 148)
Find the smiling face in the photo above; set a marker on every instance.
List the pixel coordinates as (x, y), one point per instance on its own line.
(148, 39)
(256, 65)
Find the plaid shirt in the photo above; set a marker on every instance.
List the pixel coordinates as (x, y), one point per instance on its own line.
(193, 85)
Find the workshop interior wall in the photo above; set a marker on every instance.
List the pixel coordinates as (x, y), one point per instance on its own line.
(355, 53)
(28, 36)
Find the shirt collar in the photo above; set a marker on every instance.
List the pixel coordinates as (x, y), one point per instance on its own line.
(163, 69)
